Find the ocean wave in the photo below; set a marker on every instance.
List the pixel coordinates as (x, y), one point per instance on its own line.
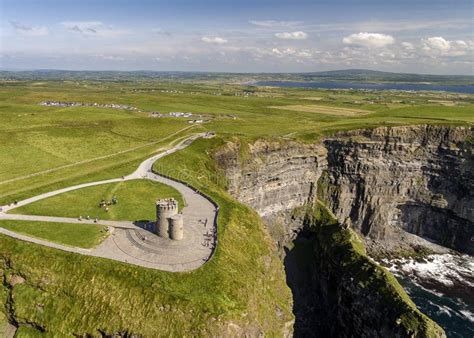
(445, 270)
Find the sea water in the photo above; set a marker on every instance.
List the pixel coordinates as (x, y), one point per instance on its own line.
(442, 286)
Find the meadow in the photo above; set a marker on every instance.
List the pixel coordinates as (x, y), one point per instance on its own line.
(136, 202)
(47, 148)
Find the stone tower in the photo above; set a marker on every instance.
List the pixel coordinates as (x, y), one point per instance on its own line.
(176, 227)
(165, 209)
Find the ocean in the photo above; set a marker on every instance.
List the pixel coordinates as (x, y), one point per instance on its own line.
(442, 286)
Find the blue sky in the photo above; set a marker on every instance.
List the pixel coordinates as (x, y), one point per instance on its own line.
(238, 36)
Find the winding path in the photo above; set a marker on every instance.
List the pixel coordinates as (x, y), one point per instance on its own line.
(135, 243)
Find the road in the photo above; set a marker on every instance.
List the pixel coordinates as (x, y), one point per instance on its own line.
(136, 243)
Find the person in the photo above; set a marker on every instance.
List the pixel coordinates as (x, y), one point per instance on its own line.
(80, 217)
(106, 209)
(88, 218)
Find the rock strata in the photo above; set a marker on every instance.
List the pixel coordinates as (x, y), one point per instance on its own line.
(416, 179)
(386, 183)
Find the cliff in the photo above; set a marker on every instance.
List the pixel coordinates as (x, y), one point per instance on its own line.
(272, 176)
(356, 296)
(385, 182)
(393, 186)
(416, 179)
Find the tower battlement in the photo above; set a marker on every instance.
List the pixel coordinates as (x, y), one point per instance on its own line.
(167, 203)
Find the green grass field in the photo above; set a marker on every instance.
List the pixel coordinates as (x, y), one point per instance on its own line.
(80, 235)
(136, 201)
(48, 148)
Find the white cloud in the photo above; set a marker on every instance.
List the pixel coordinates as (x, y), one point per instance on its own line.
(369, 39)
(292, 35)
(275, 23)
(93, 28)
(438, 45)
(408, 46)
(29, 30)
(213, 39)
(291, 52)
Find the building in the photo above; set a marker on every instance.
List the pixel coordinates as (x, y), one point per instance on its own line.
(169, 224)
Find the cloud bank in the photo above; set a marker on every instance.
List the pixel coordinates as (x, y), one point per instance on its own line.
(213, 39)
(376, 40)
(438, 45)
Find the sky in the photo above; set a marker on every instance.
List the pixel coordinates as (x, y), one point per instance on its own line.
(419, 36)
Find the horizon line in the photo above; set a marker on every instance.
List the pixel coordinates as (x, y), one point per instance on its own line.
(219, 72)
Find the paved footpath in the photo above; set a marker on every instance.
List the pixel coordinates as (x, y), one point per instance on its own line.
(135, 243)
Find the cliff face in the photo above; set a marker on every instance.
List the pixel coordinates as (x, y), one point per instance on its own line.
(273, 178)
(276, 177)
(384, 182)
(417, 179)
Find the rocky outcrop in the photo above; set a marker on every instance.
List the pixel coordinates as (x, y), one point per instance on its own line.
(356, 296)
(384, 182)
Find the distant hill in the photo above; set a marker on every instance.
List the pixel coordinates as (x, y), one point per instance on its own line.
(374, 75)
(356, 75)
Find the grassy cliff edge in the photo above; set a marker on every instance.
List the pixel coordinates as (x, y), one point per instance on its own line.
(343, 260)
